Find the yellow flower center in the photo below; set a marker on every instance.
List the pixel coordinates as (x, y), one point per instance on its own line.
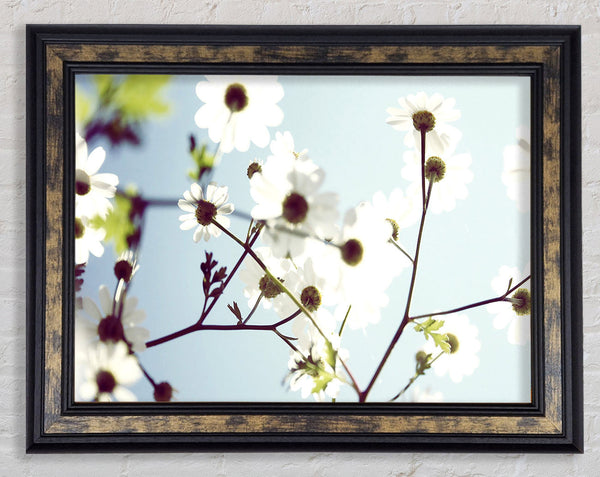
(423, 121)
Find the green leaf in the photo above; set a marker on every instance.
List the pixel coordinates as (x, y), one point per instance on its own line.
(117, 224)
(429, 327)
(139, 96)
(441, 340)
(330, 354)
(321, 382)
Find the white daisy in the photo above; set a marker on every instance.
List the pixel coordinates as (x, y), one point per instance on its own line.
(463, 359)
(287, 198)
(283, 146)
(431, 114)
(311, 288)
(517, 169)
(366, 264)
(398, 208)
(108, 368)
(313, 368)
(92, 190)
(87, 240)
(257, 282)
(238, 109)
(103, 323)
(126, 266)
(518, 332)
(447, 191)
(201, 210)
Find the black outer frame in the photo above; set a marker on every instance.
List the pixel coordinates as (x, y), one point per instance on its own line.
(571, 440)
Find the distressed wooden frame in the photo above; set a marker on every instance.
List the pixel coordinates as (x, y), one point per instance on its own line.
(549, 55)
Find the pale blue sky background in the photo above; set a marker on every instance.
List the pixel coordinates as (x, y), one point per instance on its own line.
(341, 121)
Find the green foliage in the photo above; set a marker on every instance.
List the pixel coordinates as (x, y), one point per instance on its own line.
(203, 160)
(321, 382)
(429, 328)
(135, 97)
(139, 96)
(117, 224)
(423, 362)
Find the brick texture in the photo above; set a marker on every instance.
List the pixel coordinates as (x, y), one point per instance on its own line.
(14, 14)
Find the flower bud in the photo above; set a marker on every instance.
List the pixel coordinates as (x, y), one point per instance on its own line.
(521, 302)
(435, 169)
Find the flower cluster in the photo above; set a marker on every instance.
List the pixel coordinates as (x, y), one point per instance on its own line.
(310, 270)
(92, 193)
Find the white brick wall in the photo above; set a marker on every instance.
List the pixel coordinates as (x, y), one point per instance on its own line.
(14, 14)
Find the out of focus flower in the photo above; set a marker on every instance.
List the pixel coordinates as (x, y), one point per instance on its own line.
(464, 346)
(287, 197)
(239, 109)
(446, 192)
(87, 240)
(104, 324)
(517, 169)
(107, 370)
(92, 189)
(518, 326)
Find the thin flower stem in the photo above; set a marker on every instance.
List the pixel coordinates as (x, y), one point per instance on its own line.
(236, 327)
(363, 395)
(249, 230)
(473, 305)
(285, 290)
(276, 280)
(148, 377)
(395, 244)
(247, 248)
(349, 373)
(423, 133)
(344, 322)
(289, 343)
(413, 379)
(254, 308)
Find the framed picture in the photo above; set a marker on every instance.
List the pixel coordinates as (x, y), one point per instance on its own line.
(270, 238)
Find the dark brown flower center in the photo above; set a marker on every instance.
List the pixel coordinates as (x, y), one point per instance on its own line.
(295, 208)
(82, 182)
(205, 212)
(110, 328)
(268, 287)
(423, 121)
(106, 381)
(352, 252)
(79, 228)
(310, 298)
(253, 169)
(236, 98)
(163, 392)
(123, 270)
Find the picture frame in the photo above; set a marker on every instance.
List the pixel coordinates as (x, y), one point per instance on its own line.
(548, 55)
